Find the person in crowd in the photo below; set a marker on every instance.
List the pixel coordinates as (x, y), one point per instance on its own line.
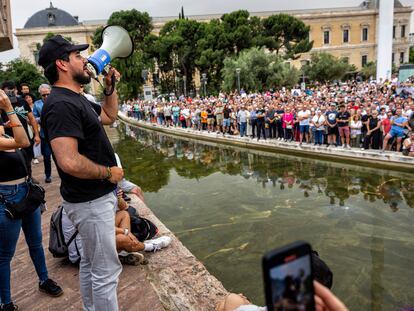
(219, 117)
(24, 113)
(253, 121)
(331, 124)
(30, 99)
(271, 121)
(287, 119)
(342, 120)
(355, 126)
(260, 115)
(319, 124)
(44, 91)
(86, 164)
(226, 119)
(398, 124)
(24, 89)
(13, 189)
(304, 116)
(408, 145)
(374, 135)
(242, 117)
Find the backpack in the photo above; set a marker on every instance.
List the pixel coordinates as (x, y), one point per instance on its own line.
(57, 245)
(142, 228)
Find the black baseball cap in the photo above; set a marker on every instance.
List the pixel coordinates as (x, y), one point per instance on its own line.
(56, 47)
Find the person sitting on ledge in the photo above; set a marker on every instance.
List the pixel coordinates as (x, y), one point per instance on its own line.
(324, 298)
(127, 244)
(408, 145)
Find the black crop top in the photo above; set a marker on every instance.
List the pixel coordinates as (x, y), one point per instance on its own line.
(11, 166)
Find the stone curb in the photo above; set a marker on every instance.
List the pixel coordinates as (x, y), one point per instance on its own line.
(373, 158)
(181, 281)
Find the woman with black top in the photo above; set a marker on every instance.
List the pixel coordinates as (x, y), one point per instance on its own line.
(373, 136)
(13, 189)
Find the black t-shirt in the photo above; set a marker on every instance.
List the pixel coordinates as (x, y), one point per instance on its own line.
(331, 116)
(226, 113)
(364, 119)
(343, 116)
(69, 114)
(210, 113)
(11, 166)
(23, 109)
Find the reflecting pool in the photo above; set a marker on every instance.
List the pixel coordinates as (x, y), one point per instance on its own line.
(231, 205)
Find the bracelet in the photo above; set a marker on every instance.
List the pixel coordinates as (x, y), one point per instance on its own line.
(9, 113)
(108, 173)
(10, 125)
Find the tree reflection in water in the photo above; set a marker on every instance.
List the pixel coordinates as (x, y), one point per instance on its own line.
(149, 157)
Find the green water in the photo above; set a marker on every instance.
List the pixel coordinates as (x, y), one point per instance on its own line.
(229, 206)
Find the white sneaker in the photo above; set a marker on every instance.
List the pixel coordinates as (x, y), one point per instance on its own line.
(159, 243)
(343, 146)
(35, 161)
(348, 146)
(362, 149)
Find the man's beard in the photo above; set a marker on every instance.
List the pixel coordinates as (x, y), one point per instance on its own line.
(82, 78)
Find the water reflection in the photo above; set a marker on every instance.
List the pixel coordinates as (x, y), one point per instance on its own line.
(151, 156)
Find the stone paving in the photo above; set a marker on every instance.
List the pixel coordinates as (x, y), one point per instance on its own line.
(173, 279)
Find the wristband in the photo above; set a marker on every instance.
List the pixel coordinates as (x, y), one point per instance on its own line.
(126, 231)
(108, 173)
(9, 113)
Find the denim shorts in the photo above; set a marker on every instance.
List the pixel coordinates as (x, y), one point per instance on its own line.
(396, 133)
(304, 129)
(226, 122)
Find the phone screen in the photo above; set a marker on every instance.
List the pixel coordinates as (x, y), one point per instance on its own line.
(291, 284)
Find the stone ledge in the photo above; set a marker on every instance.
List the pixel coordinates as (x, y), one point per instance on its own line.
(180, 280)
(373, 158)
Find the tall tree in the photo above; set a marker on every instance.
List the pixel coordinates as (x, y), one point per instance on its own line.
(259, 71)
(286, 35)
(22, 71)
(326, 67)
(139, 26)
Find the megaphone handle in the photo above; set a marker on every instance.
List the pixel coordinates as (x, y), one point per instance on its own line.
(113, 80)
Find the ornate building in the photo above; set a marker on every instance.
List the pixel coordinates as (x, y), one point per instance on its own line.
(6, 34)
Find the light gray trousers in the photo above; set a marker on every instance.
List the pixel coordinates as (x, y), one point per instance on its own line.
(99, 266)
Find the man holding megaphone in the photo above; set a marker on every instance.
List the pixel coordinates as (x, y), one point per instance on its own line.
(86, 164)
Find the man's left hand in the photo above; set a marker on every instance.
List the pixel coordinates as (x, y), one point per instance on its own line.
(108, 78)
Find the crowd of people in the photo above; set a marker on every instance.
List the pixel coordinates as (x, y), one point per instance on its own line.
(366, 115)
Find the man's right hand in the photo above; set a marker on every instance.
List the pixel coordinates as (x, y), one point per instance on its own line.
(117, 174)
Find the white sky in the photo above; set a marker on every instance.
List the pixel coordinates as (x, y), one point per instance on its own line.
(102, 9)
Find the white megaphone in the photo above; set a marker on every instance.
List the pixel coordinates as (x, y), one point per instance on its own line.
(116, 43)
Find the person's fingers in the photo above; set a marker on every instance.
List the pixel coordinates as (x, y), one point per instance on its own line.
(320, 306)
(331, 302)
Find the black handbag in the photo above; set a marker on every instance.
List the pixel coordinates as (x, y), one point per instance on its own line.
(34, 198)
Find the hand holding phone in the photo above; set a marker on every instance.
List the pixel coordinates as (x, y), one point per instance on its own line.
(288, 278)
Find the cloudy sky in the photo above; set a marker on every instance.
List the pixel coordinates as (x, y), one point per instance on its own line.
(102, 9)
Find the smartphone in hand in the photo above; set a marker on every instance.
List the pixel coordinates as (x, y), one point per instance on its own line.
(288, 278)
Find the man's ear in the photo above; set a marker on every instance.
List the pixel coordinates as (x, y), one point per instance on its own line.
(61, 64)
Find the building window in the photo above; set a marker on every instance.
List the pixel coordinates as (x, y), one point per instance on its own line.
(346, 35)
(326, 37)
(402, 58)
(402, 31)
(365, 34)
(393, 32)
(364, 60)
(392, 58)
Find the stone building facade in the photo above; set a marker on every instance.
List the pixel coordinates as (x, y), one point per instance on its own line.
(6, 33)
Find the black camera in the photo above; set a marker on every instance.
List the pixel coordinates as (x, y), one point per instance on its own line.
(12, 96)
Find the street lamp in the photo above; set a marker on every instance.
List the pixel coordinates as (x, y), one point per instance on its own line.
(185, 85)
(303, 62)
(238, 79)
(204, 80)
(177, 80)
